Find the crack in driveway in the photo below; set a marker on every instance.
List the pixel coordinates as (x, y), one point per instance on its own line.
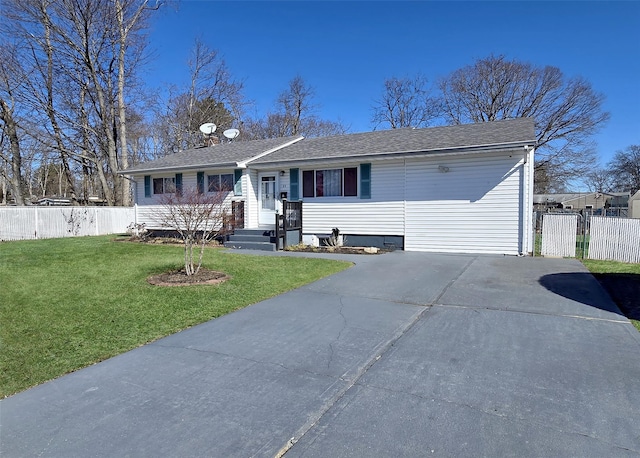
(344, 326)
(531, 312)
(378, 353)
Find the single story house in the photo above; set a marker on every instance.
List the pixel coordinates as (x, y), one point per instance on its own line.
(459, 189)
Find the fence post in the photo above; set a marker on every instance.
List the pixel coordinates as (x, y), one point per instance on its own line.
(285, 217)
(35, 229)
(277, 231)
(300, 221)
(95, 212)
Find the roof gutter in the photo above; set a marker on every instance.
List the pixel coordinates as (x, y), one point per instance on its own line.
(176, 168)
(476, 149)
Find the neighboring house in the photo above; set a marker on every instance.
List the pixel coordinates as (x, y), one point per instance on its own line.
(465, 188)
(597, 203)
(634, 205)
(53, 201)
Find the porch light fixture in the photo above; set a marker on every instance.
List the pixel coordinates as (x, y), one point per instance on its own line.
(281, 173)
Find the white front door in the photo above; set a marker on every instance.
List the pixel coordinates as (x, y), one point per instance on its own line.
(267, 199)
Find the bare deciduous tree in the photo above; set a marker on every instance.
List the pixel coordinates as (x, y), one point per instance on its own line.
(625, 168)
(295, 102)
(212, 95)
(567, 111)
(81, 58)
(294, 115)
(198, 217)
(405, 102)
(600, 179)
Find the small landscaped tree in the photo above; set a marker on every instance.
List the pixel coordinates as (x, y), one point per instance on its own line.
(198, 217)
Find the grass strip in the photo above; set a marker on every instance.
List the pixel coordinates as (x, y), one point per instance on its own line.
(626, 290)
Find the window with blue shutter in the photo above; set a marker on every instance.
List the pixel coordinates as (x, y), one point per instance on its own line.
(237, 185)
(200, 181)
(147, 186)
(365, 181)
(294, 184)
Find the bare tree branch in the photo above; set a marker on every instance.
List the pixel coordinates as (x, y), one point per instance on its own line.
(625, 168)
(197, 217)
(405, 102)
(294, 114)
(567, 112)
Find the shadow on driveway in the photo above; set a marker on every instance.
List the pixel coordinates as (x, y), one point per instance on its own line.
(578, 287)
(625, 291)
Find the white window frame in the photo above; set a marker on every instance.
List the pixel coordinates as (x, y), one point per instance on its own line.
(342, 183)
(170, 189)
(219, 175)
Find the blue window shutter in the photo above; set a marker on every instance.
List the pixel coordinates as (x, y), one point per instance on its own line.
(178, 183)
(237, 184)
(365, 181)
(200, 182)
(147, 186)
(294, 184)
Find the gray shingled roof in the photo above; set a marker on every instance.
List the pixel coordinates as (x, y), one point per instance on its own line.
(383, 142)
(218, 156)
(407, 140)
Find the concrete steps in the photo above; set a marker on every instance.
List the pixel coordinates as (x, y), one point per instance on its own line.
(252, 239)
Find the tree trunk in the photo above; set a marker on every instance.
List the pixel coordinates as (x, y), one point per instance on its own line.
(123, 38)
(51, 112)
(11, 132)
(124, 153)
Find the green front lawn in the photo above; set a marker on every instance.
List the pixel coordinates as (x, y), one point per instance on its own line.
(621, 280)
(68, 303)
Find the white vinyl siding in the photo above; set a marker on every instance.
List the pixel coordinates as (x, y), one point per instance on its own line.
(387, 181)
(251, 204)
(473, 207)
(150, 215)
(148, 206)
(383, 214)
(354, 217)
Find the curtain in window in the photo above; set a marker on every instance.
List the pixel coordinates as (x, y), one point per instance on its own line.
(329, 182)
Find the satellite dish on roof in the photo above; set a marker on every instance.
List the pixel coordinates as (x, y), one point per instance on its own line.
(208, 128)
(231, 133)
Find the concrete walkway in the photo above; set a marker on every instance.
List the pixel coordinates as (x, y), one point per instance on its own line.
(405, 354)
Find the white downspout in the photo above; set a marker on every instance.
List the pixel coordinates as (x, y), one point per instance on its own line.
(528, 237)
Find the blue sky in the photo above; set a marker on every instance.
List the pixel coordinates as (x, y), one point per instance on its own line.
(345, 50)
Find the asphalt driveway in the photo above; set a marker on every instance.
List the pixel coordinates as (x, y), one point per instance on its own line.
(405, 354)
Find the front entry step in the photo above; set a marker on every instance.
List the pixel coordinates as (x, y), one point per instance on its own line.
(252, 239)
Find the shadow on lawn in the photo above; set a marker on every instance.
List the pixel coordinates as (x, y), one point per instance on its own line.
(624, 289)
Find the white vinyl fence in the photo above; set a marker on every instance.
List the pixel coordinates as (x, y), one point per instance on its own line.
(559, 235)
(615, 239)
(23, 223)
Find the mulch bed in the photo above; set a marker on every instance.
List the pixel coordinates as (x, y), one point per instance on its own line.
(334, 250)
(624, 289)
(180, 278)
